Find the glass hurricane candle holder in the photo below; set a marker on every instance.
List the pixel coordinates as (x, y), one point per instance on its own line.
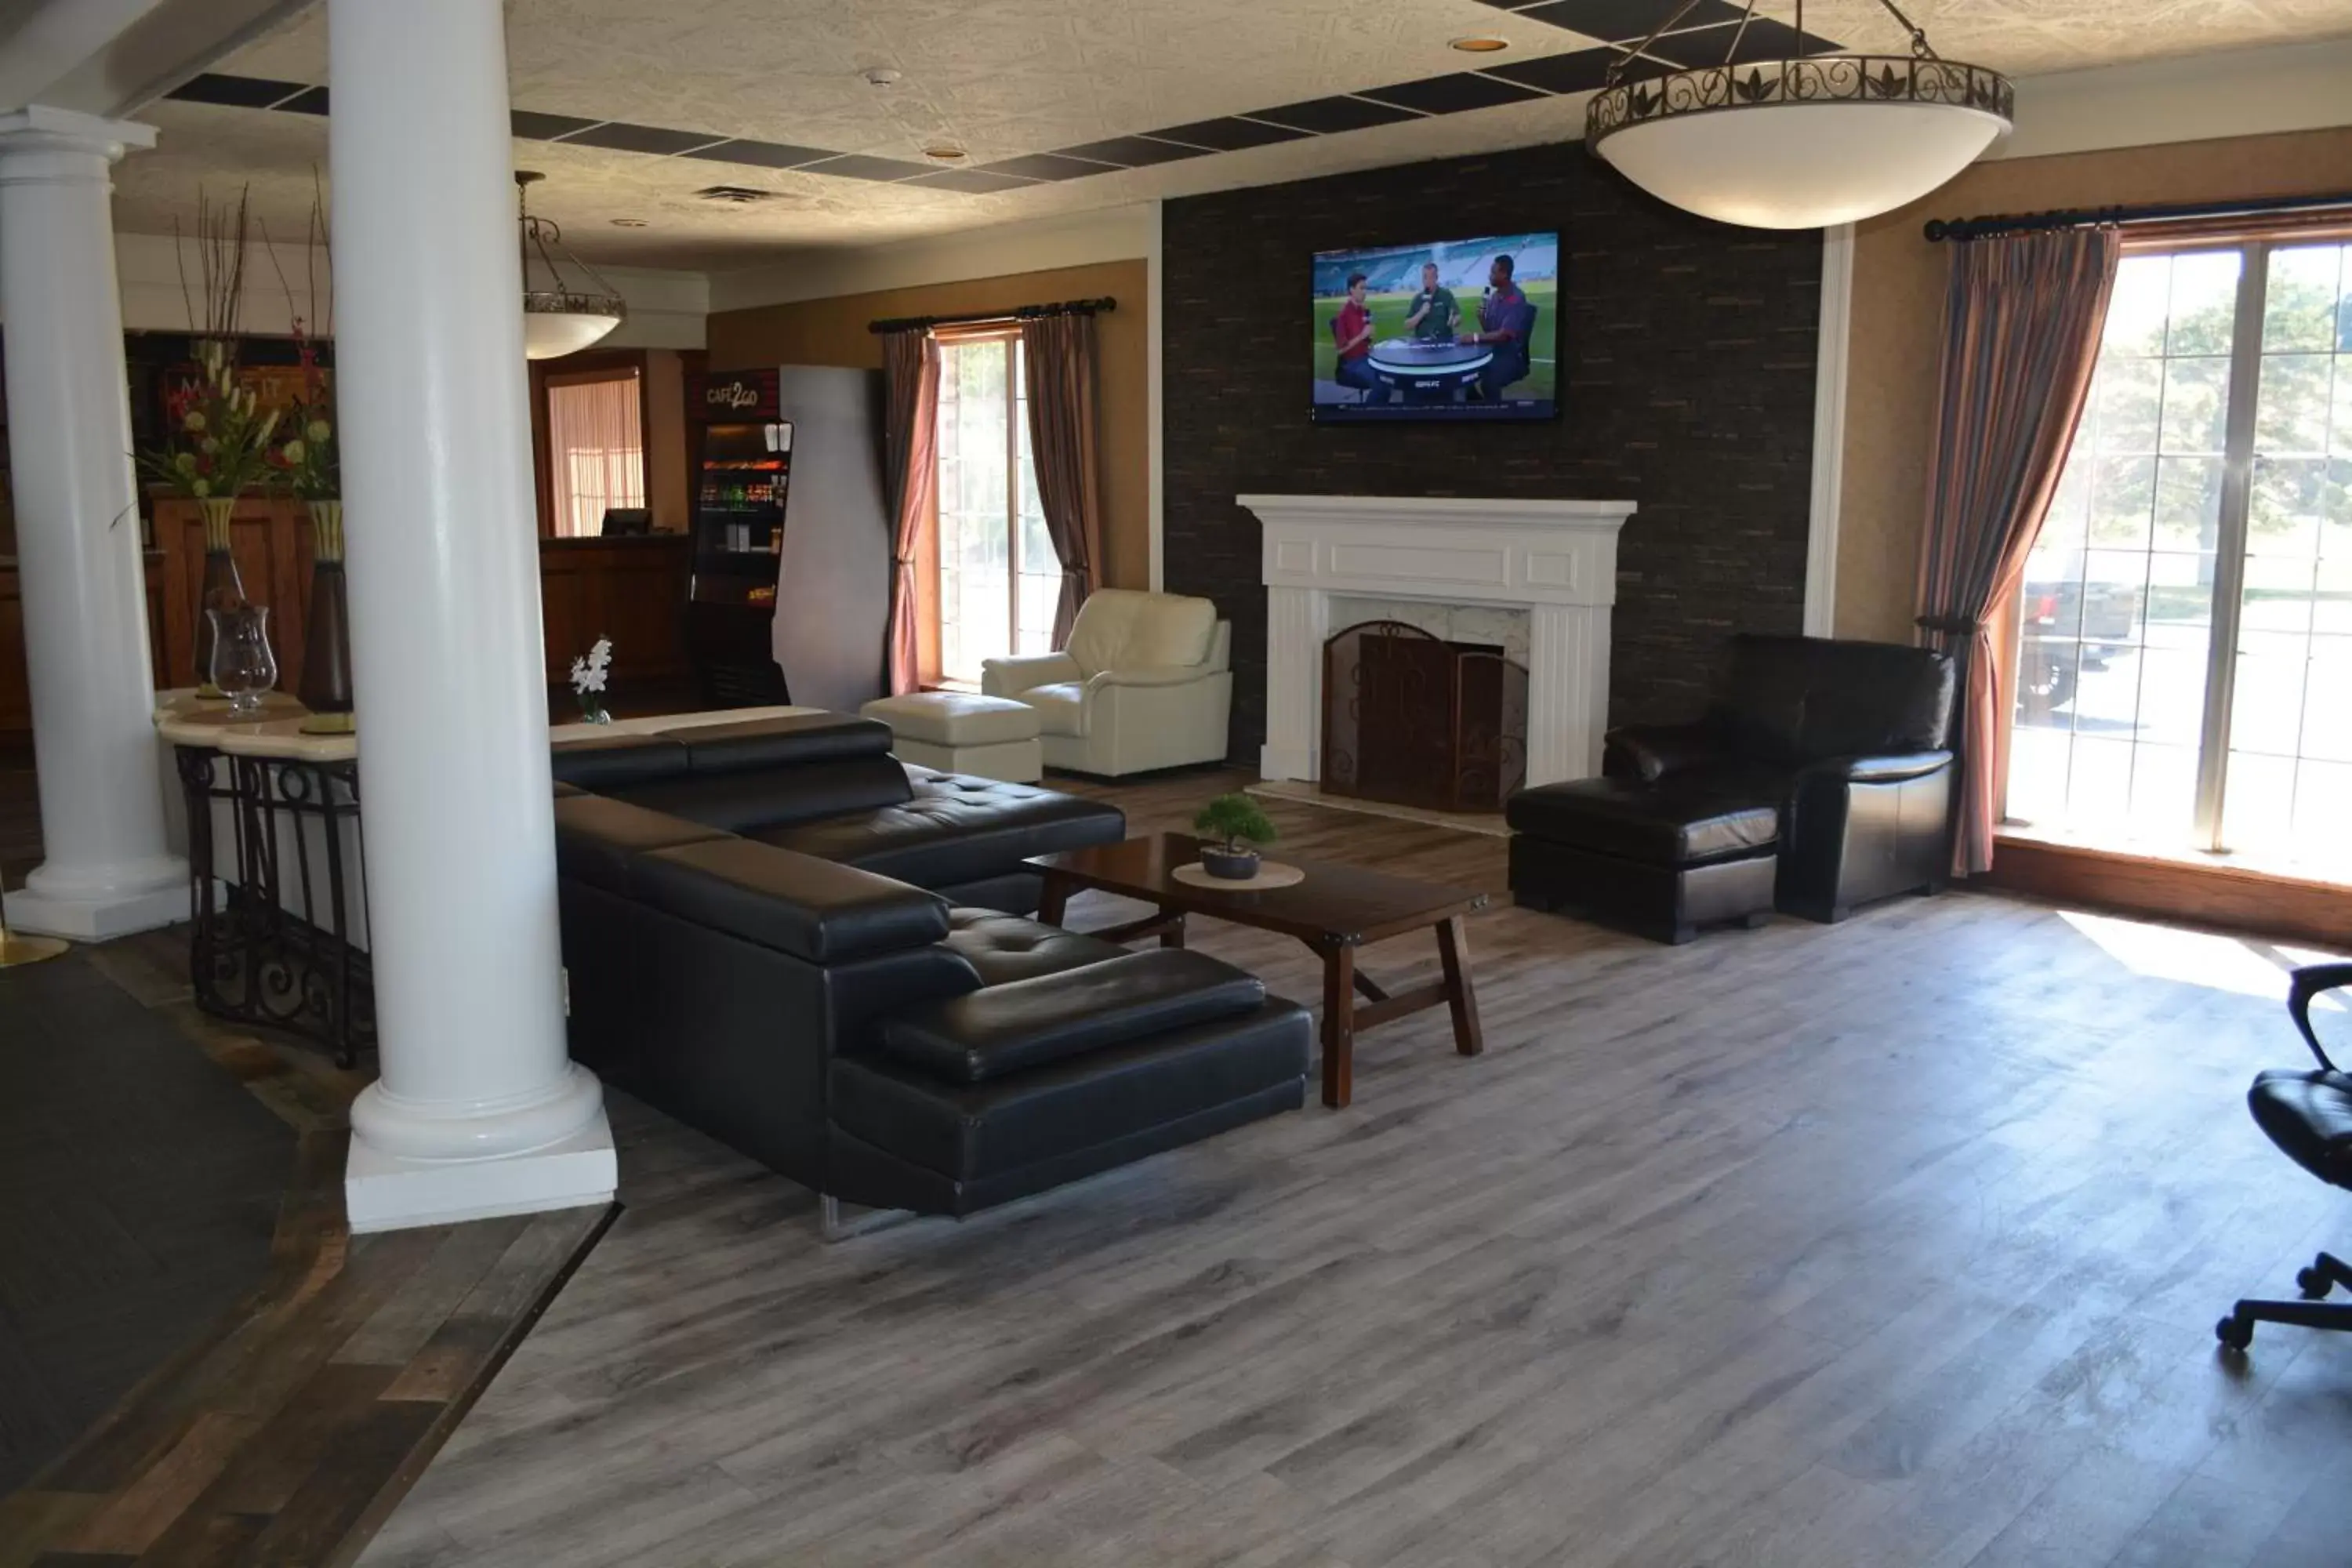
(244, 666)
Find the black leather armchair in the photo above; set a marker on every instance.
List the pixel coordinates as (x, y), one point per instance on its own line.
(2307, 1113)
(1847, 739)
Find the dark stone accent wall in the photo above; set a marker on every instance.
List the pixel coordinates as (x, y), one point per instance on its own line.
(1687, 352)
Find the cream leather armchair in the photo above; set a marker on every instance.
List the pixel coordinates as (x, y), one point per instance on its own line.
(1146, 682)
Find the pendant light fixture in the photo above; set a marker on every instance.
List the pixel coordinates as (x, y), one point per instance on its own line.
(1804, 142)
(558, 318)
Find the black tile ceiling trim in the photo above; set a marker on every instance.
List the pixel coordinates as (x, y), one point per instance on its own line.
(1231, 134)
(535, 127)
(237, 91)
(1048, 166)
(1628, 21)
(620, 136)
(973, 181)
(1451, 94)
(1132, 151)
(1327, 116)
(1581, 70)
(1762, 39)
(313, 101)
(760, 154)
(863, 166)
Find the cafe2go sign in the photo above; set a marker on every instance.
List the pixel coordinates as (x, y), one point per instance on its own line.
(732, 397)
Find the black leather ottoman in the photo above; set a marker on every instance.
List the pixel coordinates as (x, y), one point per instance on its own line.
(1661, 858)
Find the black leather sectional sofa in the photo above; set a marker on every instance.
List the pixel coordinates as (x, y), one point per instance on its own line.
(778, 933)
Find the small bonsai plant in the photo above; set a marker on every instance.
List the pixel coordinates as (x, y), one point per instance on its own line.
(1237, 825)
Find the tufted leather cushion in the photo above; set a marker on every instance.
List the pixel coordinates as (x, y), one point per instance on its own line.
(955, 718)
(1002, 947)
(813, 909)
(2307, 1113)
(1681, 820)
(1001, 1030)
(1061, 707)
(1119, 628)
(956, 828)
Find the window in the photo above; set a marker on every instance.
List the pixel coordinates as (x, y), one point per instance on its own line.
(2185, 626)
(596, 445)
(999, 578)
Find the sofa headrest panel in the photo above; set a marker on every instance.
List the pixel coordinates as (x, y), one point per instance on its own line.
(796, 904)
(797, 739)
(598, 839)
(759, 798)
(1797, 700)
(615, 761)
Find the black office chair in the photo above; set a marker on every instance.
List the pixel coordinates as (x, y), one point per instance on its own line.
(2307, 1113)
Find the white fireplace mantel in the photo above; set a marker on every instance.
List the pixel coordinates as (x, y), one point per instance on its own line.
(1557, 559)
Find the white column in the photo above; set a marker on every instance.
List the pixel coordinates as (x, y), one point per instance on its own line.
(108, 869)
(1296, 622)
(478, 1110)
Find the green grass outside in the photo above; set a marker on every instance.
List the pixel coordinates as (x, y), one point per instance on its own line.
(1389, 312)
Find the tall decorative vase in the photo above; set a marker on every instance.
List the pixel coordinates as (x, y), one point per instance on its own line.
(327, 639)
(223, 589)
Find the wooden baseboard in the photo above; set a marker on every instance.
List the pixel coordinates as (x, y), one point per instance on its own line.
(2232, 898)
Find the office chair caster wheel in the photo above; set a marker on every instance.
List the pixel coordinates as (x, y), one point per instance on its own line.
(2313, 1284)
(2234, 1332)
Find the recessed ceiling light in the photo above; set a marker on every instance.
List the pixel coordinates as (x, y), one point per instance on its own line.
(628, 223)
(945, 152)
(881, 76)
(1476, 45)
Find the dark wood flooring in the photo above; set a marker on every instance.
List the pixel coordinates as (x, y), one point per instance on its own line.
(1890, 1245)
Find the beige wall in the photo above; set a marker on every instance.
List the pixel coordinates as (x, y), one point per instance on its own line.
(1898, 291)
(832, 332)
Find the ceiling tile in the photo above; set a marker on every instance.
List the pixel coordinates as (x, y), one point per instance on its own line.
(313, 101)
(1326, 115)
(761, 154)
(238, 91)
(545, 127)
(1617, 20)
(1581, 71)
(1131, 152)
(861, 167)
(1228, 136)
(624, 137)
(1762, 39)
(1047, 166)
(1450, 94)
(979, 182)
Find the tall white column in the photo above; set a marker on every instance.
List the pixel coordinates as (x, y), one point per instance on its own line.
(109, 869)
(478, 1110)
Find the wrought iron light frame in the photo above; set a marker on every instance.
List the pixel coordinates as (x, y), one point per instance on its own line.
(1921, 77)
(538, 235)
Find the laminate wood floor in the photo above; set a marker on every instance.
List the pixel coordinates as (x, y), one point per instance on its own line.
(1896, 1243)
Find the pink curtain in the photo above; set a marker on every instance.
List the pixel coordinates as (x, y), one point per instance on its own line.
(1058, 377)
(596, 458)
(2021, 321)
(910, 394)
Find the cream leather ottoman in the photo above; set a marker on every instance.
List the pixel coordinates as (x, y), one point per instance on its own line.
(989, 737)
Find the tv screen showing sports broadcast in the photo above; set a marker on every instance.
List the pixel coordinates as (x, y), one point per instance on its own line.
(1462, 329)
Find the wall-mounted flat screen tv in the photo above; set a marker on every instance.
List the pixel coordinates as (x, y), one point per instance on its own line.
(1459, 329)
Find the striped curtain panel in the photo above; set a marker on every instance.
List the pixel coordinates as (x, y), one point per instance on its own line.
(2022, 316)
(910, 477)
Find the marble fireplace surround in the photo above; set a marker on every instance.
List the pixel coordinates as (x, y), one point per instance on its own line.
(1556, 560)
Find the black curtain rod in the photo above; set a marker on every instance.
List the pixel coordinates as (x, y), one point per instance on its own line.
(1964, 228)
(1019, 313)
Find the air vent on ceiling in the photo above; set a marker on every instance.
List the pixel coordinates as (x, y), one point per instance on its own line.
(741, 195)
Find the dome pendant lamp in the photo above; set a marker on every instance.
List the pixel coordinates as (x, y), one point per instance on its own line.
(1804, 142)
(558, 318)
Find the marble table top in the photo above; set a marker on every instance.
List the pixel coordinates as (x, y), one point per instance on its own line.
(186, 719)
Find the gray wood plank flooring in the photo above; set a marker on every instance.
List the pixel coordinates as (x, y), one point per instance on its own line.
(1895, 1243)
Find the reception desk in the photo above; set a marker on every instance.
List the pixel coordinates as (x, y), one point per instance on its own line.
(632, 590)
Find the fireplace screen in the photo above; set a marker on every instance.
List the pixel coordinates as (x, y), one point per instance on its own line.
(1413, 720)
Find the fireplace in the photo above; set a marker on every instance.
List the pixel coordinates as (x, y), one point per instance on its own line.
(1412, 718)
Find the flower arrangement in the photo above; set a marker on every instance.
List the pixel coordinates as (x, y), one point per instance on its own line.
(221, 448)
(589, 676)
(310, 458)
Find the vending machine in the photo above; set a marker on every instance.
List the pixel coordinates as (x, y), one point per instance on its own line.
(743, 480)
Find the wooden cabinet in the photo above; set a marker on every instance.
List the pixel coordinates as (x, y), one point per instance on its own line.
(632, 590)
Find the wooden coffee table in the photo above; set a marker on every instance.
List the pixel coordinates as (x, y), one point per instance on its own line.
(1335, 910)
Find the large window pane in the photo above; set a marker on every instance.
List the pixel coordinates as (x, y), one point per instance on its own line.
(998, 574)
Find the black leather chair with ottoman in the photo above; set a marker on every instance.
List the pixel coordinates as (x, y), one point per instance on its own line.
(1843, 741)
(866, 1037)
(1660, 859)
